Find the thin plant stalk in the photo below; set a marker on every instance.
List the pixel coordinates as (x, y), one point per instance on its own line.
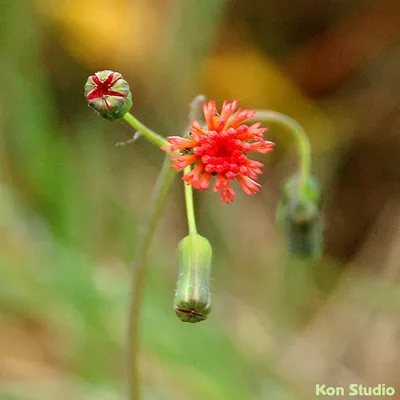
(162, 186)
(190, 206)
(302, 141)
(146, 132)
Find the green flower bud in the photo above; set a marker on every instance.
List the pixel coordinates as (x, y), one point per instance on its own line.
(192, 296)
(108, 94)
(300, 217)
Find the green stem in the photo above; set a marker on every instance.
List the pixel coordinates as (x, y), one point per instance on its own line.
(194, 111)
(303, 144)
(150, 135)
(160, 191)
(190, 206)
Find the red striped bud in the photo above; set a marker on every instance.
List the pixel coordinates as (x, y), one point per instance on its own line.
(108, 94)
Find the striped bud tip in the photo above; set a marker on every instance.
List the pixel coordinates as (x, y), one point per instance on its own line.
(108, 93)
(300, 217)
(192, 296)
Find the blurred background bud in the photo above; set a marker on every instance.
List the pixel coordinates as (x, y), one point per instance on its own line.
(192, 296)
(300, 217)
(108, 93)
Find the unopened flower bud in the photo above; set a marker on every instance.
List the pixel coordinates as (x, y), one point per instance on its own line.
(108, 93)
(300, 217)
(192, 296)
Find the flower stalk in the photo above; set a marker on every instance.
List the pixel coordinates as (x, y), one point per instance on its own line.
(302, 141)
(146, 132)
(190, 206)
(161, 188)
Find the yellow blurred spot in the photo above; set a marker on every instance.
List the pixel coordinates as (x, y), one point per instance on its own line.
(103, 32)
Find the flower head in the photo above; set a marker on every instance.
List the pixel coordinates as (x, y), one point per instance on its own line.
(108, 94)
(220, 148)
(192, 295)
(299, 214)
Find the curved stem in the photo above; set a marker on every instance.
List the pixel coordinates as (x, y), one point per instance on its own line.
(190, 206)
(303, 143)
(161, 188)
(150, 135)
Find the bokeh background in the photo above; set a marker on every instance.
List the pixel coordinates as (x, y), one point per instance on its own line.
(71, 202)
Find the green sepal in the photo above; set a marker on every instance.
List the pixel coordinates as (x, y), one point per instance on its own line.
(116, 111)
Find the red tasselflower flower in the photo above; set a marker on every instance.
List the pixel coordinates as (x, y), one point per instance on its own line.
(220, 148)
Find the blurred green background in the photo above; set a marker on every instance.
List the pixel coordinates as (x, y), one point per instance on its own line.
(71, 202)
